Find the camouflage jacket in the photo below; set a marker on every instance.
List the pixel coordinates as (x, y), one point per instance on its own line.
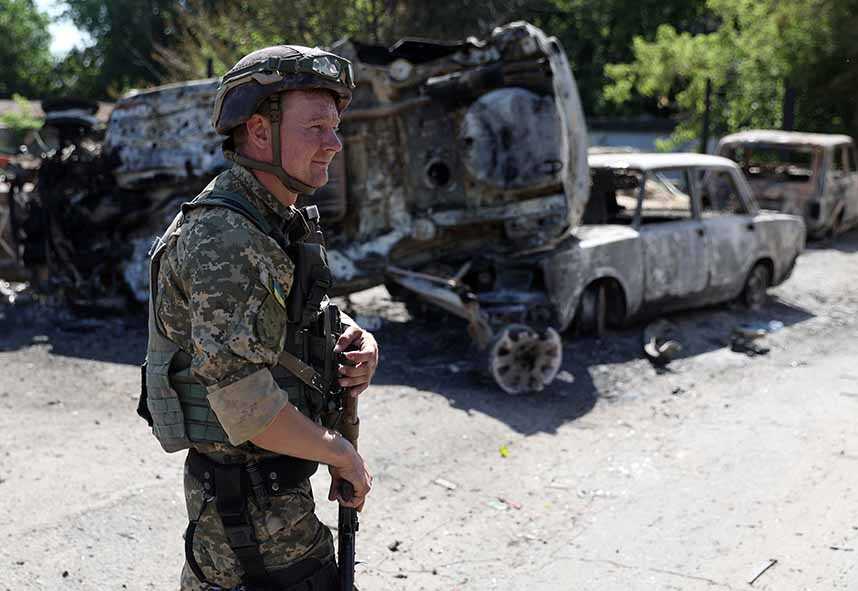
(220, 298)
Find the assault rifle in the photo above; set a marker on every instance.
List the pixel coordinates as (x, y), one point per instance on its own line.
(347, 525)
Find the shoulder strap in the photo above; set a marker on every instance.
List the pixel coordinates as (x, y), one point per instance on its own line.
(239, 204)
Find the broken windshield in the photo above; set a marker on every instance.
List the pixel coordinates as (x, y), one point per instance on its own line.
(786, 163)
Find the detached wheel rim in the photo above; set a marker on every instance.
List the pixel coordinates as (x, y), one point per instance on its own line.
(523, 360)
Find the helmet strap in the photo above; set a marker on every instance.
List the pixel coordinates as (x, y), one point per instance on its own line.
(274, 167)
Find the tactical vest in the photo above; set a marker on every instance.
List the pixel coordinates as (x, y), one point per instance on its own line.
(176, 405)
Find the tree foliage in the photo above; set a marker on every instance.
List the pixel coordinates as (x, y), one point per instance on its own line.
(22, 119)
(756, 49)
(223, 31)
(598, 32)
(125, 34)
(25, 58)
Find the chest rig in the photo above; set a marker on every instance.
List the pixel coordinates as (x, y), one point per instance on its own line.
(175, 404)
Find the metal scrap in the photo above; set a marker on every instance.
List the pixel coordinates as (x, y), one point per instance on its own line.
(659, 342)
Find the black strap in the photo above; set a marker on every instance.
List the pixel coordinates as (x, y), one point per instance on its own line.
(190, 558)
(231, 504)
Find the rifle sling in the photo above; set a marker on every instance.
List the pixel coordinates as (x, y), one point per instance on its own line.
(304, 372)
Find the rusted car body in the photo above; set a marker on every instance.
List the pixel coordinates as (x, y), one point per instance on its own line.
(813, 175)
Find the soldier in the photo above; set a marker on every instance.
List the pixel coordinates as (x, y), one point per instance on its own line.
(247, 361)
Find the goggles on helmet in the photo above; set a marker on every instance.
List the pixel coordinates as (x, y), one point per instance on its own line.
(328, 66)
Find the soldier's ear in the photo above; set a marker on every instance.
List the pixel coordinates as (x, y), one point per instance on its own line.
(258, 132)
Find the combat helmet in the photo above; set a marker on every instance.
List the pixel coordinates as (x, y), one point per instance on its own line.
(264, 74)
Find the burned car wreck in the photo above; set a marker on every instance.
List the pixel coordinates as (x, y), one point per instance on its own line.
(463, 183)
(814, 175)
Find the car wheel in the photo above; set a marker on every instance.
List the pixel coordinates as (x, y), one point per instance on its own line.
(522, 359)
(754, 294)
(592, 311)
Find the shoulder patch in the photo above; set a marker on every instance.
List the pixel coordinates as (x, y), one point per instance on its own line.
(278, 292)
(274, 288)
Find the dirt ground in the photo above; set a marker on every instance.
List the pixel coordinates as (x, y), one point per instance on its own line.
(616, 477)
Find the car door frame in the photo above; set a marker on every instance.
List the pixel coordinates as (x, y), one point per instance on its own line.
(732, 240)
(655, 240)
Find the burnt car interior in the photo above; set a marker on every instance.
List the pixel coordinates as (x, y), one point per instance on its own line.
(786, 163)
(615, 197)
(719, 194)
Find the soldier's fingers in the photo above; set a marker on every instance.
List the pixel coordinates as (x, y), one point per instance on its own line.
(360, 356)
(360, 370)
(355, 501)
(349, 382)
(357, 390)
(351, 334)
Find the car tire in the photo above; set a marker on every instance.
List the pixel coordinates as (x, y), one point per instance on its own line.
(754, 293)
(593, 311)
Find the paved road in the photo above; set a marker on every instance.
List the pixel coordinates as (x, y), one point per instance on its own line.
(617, 477)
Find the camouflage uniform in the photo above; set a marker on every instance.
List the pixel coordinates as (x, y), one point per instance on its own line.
(220, 298)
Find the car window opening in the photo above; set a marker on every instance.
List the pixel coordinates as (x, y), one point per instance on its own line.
(785, 163)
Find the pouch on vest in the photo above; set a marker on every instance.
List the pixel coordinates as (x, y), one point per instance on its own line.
(311, 283)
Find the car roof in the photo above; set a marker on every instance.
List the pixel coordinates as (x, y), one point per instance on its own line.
(651, 161)
(773, 136)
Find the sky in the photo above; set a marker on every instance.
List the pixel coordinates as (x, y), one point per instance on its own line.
(64, 35)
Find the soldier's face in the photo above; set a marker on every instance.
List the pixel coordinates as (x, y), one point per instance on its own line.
(308, 135)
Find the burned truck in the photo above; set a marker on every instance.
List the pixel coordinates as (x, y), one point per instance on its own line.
(464, 166)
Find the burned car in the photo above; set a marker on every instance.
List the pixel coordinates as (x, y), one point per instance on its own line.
(813, 175)
(677, 231)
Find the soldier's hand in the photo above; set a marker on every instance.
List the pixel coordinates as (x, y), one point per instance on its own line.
(361, 349)
(355, 472)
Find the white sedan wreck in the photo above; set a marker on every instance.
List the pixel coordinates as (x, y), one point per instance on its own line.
(660, 232)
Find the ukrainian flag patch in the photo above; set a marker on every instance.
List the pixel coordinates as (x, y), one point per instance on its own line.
(277, 291)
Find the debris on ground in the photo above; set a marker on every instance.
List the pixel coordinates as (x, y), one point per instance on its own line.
(660, 343)
(745, 337)
(769, 564)
(510, 503)
(445, 483)
(394, 546)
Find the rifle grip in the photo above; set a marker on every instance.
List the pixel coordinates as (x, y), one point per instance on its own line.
(347, 491)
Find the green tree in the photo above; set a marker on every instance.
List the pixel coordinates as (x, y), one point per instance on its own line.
(598, 32)
(223, 31)
(25, 58)
(755, 50)
(125, 34)
(21, 120)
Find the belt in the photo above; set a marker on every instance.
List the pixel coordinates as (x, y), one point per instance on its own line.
(278, 475)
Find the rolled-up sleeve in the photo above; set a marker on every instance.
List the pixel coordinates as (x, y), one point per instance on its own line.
(237, 325)
(247, 407)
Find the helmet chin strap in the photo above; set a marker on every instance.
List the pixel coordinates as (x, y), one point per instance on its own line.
(274, 167)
